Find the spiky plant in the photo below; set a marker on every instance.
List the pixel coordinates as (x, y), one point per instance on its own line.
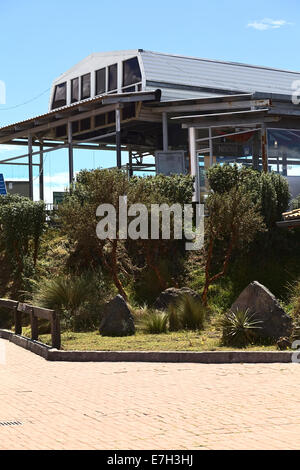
(239, 328)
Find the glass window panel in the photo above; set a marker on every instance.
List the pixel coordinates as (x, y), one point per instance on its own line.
(86, 86)
(100, 81)
(74, 90)
(129, 89)
(60, 96)
(131, 72)
(113, 77)
(284, 151)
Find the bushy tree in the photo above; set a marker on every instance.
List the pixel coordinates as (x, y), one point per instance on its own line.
(120, 258)
(269, 190)
(22, 223)
(77, 217)
(175, 189)
(234, 220)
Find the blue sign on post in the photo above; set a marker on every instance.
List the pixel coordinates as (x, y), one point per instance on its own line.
(3, 191)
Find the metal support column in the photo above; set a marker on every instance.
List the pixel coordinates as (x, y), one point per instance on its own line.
(71, 159)
(130, 164)
(118, 137)
(165, 132)
(256, 149)
(284, 165)
(211, 152)
(30, 167)
(264, 149)
(194, 163)
(41, 167)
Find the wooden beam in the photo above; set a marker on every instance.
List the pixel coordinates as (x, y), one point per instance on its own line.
(231, 123)
(60, 122)
(211, 106)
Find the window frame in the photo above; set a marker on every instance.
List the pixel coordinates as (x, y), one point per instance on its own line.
(110, 90)
(134, 84)
(78, 90)
(103, 69)
(54, 95)
(81, 86)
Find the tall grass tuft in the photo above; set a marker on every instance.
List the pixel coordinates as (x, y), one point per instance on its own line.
(68, 295)
(63, 292)
(187, 313)
(156, 323)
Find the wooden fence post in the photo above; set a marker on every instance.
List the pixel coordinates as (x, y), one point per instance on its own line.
(18, 321)
(34, 326)
(55, 331)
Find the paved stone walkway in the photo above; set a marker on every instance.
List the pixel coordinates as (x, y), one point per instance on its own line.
(146, 406)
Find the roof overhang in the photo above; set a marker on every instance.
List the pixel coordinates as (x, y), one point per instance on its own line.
(82, 110)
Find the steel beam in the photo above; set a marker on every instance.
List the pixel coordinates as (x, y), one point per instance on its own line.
(71, 159)
(30, 168)
(165, 132)
(194, 164)
(264, 149)
(118, 137)
(41, 176)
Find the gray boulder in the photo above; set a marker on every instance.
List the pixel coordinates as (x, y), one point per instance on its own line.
(259, 301)
(117, 319)
(172, 295)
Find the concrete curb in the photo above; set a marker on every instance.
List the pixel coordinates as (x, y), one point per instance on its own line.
(214, 357)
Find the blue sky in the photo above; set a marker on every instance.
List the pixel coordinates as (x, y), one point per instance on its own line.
(40, 40)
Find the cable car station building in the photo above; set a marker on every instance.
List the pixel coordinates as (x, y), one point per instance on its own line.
(186, 113)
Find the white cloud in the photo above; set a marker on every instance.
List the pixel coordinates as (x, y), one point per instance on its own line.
(267, 23)
(9, 148)
(58, 179)
(56, 182)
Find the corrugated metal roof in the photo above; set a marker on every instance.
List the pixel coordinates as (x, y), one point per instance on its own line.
(65, 109)
(214, 75)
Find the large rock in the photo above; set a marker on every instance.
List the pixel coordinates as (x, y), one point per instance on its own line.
(172, 295)
(117, 319)
(259, 301)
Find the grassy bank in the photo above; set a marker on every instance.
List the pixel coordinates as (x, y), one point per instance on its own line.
(179, 341)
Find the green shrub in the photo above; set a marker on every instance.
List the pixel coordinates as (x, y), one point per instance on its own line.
(76, 298)
(239, 328)
(187, 314)
(156, 323)
(269, 190)
(22, 223)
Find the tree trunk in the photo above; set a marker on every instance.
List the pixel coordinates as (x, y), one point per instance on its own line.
(207, 270)
(113, 269)
(154, 267)
(209, 280)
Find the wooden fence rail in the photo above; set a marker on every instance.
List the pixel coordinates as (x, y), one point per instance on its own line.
(34, 313)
